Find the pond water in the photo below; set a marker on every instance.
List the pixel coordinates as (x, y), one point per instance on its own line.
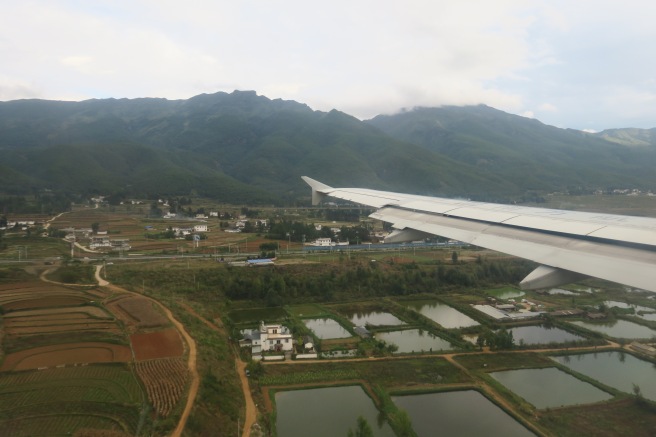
(414, 340)
(615, 369)
(541, 334)
(624, 305)
(619, 329)
(561, 291)
(649, 316)
(458, 413)
(441, 313)
(326, 328)
(375, 318)
(550, 387)
(504, 293)
(326, 412)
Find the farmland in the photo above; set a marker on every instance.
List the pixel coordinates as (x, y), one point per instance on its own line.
(67, 361)
(103, 358)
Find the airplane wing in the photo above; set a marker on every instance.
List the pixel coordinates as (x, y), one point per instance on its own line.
(568, 245)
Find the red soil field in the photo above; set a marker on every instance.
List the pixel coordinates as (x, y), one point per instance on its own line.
(62, 354)
(159, 344)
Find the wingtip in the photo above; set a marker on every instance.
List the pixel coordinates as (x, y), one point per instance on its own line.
(318, 189)
(315, 184)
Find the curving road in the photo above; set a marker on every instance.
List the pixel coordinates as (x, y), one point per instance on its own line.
(191, 362)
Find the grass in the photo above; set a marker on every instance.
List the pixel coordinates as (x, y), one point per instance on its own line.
(623, 417)
(386, 373)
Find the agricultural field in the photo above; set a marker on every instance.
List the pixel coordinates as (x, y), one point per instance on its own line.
(165, 381)
(98, 396)
(137, 312)
(66, 362)
(73, 329)
(158, 344)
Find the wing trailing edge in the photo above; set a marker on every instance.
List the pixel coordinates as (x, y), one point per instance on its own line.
(568, 245)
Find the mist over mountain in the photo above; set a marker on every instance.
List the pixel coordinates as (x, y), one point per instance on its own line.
(245, 148)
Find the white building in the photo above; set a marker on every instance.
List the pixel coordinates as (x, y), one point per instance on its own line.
(200, 228)
(269, 338)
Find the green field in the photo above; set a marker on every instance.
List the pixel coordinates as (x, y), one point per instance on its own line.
(55, 401)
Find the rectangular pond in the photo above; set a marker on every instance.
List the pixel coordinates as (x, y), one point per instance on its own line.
(326, 328)
(619, 329)
(458, 413)
(326, 412)
(625, 306)
(375, 318)
(414, 340)
(550, 387)
(541, 334)
(440, 313)
(615, 369)
(505, 293)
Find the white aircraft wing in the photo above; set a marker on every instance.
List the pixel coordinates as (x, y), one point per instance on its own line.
(568, 245)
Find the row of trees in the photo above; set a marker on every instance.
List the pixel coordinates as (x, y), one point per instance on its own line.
(324, 282)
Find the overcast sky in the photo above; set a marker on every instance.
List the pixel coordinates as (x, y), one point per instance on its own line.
(570, 63)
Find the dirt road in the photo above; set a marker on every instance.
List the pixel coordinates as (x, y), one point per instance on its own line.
(251, 412)
(191, 361)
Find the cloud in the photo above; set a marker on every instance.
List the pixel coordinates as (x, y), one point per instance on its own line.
(12, 89)
(364, 58)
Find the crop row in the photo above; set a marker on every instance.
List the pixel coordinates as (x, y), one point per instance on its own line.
(115, 379)
(55, 425)
(165, 381)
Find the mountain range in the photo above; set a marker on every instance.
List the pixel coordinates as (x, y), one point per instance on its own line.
(243, 148)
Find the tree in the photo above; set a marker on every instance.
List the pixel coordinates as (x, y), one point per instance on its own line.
(454, 257)
(95, 226)
(362, 430)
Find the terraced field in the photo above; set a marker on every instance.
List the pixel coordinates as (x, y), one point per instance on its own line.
(65, 363)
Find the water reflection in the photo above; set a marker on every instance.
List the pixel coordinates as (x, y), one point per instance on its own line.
(414, 340)
(549, 387)
(375, 318)
(616, 369)
(326, 412)
(619, 329)
(326, 328)
(441, 313)
(542, 334)
(461, 413)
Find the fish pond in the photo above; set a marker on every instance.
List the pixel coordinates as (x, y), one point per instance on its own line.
(441, 313)
(615, 369)
(328, 412)
(624, 305)
(326, 328)
(505, 293)
(619, 329)
(541, 334)
(458, 413)
(414, 340)
(562, 291)
(375, 318)
(550, 387)
(649, 316)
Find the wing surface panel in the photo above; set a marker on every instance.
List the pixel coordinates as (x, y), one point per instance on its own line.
(613, 247)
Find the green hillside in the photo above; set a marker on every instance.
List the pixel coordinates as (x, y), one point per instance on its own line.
(525, 151)
(245, 148)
